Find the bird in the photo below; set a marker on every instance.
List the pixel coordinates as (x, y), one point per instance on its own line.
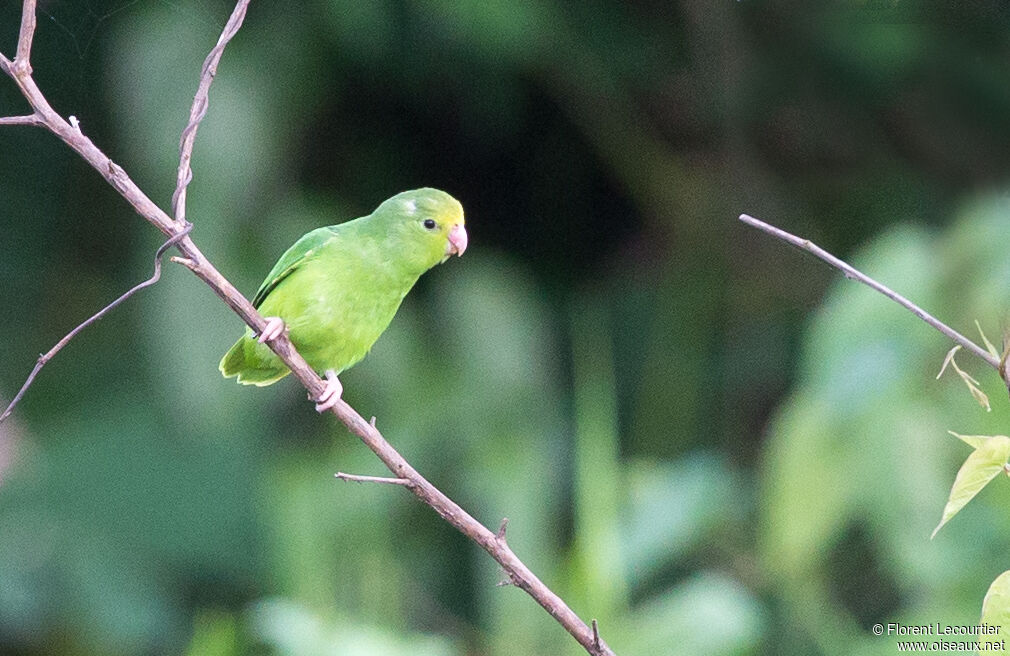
(338, 287)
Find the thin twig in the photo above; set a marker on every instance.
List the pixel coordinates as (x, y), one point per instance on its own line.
(373, 479)
(31, 119)
(51, 353)
(502, 528)
(184, 261)
(521, 576)
(196, 262)
(596, 633)
(199, 109)
(850, 272)
(22, 62)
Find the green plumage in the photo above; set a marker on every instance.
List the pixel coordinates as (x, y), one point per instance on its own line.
(338, 287)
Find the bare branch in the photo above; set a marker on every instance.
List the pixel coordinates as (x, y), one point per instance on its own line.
(596, 633)
(373, 479)
(31, 119)
(199, 109)
(850, 272)
(194, 260)
(501, 529)
(520, 575)
(22, 64)
(184, 261)
(51, 353)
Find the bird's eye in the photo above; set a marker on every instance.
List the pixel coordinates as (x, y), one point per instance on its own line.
(429, 224)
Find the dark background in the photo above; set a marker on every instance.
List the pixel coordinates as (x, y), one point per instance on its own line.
(706, 440)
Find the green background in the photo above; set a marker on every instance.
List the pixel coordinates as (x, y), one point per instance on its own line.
(706, 440)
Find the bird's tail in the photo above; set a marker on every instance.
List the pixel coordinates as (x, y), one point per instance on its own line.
(245, 361)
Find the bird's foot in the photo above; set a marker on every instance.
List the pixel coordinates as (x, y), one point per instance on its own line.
(331, 394)
(273, 330)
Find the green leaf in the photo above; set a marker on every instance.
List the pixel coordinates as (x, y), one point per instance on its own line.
(979, 468)
(974, 441)
(996, 606)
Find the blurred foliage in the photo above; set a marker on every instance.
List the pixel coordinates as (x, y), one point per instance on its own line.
(601, 367)
(994, 608)
(857, 467)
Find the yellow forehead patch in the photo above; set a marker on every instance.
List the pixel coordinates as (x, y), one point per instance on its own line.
(451, 212)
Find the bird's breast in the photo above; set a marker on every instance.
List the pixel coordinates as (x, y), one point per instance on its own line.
(341, 312)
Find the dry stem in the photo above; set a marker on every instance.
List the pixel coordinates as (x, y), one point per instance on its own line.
(356, 478)
(51, 353)
(199, 109)
(855, 274)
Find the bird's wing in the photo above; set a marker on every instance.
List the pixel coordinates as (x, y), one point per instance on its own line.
(294, 257)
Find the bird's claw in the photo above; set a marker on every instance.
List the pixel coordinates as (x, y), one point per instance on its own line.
(331, 394)
(271, 331)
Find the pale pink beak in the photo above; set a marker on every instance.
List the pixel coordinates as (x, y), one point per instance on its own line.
(457, 240)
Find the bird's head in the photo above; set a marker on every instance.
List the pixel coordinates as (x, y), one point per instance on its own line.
(429, 221)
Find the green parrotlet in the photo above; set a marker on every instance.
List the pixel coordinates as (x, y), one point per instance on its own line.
(337, 288)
